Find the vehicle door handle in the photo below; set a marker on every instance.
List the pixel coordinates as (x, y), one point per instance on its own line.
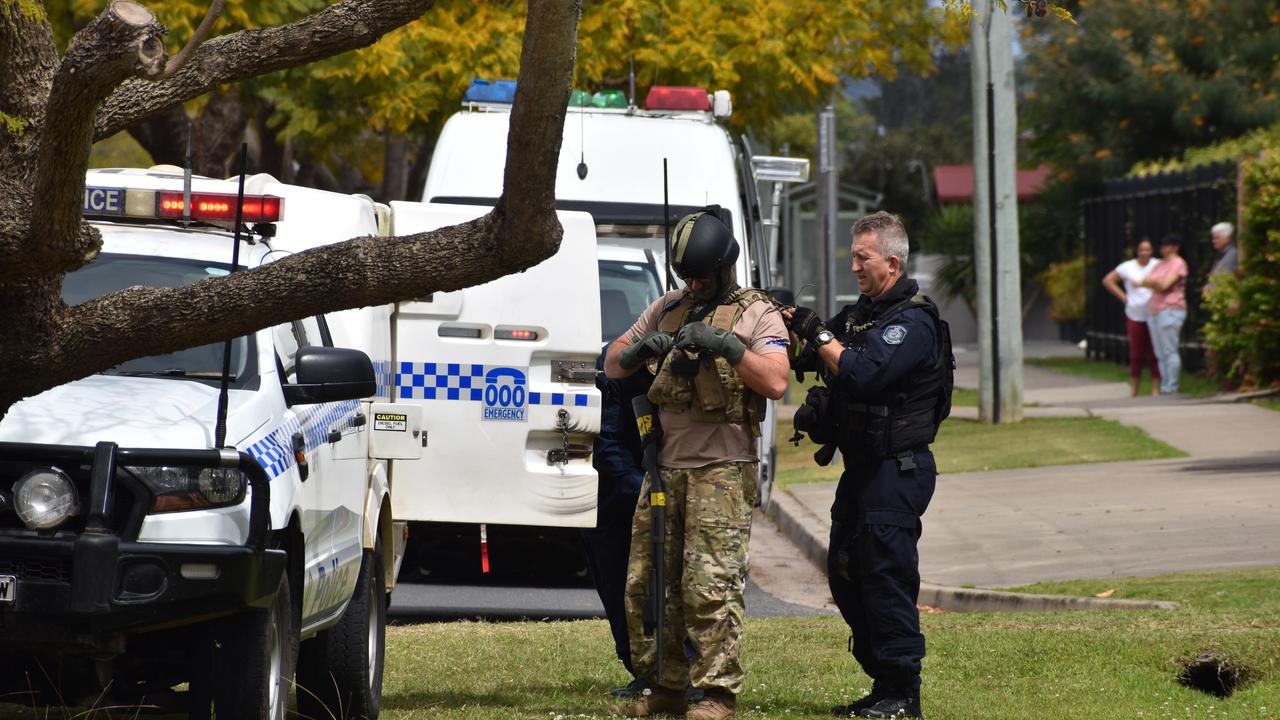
(359, 420)
(335, 435)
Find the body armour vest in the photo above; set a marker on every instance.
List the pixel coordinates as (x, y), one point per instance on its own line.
(705, 385)
(906, 416)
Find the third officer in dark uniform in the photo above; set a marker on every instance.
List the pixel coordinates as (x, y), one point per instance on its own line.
(887, 365)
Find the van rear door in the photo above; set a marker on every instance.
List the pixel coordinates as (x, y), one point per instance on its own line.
(505, 374)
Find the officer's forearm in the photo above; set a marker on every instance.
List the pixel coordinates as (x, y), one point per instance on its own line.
(612, 368)
(765, 374)
(830, 356)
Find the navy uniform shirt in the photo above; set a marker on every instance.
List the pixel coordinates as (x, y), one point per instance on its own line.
(617, 452)
(880, 358)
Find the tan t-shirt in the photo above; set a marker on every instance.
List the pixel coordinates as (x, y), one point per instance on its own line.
(687, 443)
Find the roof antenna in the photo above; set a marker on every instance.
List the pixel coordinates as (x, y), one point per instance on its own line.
(582, 143)
(666, 226)
(220, 429)
(186, 181)
(631, 84)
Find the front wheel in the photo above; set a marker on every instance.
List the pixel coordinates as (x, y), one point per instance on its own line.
(253, 662)
(340, 669)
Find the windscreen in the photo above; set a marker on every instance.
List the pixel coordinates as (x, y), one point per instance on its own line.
(626, 289)
(111, 272)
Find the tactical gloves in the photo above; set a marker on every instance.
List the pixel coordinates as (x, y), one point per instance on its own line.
(697, 335)
(806, 324)
(655, 344)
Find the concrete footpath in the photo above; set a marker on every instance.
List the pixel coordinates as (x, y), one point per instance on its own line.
(1217, 508)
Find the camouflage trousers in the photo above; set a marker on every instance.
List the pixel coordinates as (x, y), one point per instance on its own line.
(708, 526)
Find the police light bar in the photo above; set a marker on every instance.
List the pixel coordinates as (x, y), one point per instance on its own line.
(491, 91)
(213, 207)
(664, 97)
(117, 202)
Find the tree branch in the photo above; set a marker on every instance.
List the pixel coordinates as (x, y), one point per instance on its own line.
(348, 25)
(177, 61)
(123, 41)
(526, 217)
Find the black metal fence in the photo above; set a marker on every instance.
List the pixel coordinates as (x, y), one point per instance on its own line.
(1130, 209)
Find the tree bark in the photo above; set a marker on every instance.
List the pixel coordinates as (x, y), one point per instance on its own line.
(348, 25)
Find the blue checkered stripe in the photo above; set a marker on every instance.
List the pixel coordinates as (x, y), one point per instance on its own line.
(385, 376)
(274, 452)
(465, 381)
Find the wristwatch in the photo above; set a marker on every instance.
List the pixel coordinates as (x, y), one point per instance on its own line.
(823, 337)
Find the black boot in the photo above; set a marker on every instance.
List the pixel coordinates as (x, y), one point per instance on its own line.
(895, 703)
(851, 710)
(631, 691)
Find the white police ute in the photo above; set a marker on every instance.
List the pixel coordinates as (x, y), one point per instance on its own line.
(136, 554)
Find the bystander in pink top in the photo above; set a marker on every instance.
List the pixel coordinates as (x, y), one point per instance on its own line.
(1176, 297)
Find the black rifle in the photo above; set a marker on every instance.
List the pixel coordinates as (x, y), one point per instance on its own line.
(655, 605)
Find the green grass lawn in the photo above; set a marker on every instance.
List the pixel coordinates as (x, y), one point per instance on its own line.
(967, 445)
(1189, 385)
(1268, 404)
(1000, 666)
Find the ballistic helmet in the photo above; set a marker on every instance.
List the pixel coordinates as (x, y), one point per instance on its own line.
(702, 243)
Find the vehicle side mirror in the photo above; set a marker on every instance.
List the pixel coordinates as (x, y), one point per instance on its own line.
(782, 295)
(330, 374)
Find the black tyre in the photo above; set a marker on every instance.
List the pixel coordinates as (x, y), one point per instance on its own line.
(253, 662)
(340, 669)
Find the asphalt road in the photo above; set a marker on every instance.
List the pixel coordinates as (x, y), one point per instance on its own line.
(782, 583)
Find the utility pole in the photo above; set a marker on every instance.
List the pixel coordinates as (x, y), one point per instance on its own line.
(995, 216)
(826, 211)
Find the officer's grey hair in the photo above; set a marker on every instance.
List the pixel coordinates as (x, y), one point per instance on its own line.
(1223, 227)
(891, 236)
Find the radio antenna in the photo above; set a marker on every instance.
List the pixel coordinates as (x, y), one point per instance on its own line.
(631, 83)
(220, 429)
(186, 180)
(666, 226)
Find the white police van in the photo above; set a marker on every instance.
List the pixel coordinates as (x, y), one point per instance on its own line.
(632, 173)
(136, 554)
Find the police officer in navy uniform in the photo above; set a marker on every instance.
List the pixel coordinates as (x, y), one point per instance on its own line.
(616, 456)
(888, 366)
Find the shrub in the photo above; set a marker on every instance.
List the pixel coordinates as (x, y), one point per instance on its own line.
(1243, 333)
(1064, 283)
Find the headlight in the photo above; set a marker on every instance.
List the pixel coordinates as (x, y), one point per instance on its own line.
(44, 498)
(189, 488)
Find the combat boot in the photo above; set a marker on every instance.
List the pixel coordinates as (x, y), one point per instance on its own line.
(654, 701)
(851, 710)
(716, 704)
(895, 703)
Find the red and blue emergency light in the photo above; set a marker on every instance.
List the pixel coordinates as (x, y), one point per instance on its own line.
(491, 91)
(666, 97)
(212, 207)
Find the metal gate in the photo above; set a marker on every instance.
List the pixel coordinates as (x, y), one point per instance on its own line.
(1131, 209)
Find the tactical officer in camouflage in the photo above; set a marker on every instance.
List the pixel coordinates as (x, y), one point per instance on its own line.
(717, 351)
(887, 367)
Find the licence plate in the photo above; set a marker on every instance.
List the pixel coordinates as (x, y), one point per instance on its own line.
(8, 588)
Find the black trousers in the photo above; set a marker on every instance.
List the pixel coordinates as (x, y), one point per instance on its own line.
(608, 547)
(873, 565)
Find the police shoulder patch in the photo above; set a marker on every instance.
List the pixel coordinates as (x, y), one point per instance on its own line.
(894, 335)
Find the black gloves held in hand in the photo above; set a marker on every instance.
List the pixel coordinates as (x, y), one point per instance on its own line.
(698, 335)
(655, 344)
(806, 324)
